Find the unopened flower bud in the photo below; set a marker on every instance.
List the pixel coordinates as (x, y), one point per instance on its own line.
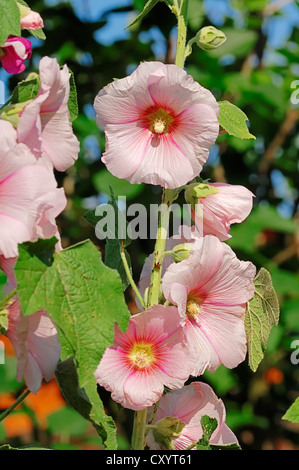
(30, 19)
(167, 429)
(12, 112)
(181, 252)
(196, 191)
(209, 38)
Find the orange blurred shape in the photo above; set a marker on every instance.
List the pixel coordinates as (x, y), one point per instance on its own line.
(6, 400)
(274, 376)
(17, 424)
(8, 347)
(47, 400)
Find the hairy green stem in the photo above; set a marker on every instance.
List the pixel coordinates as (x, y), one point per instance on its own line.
(138, 439)
(154, 289)
(13, 406)
(182, 34)
(130, 277)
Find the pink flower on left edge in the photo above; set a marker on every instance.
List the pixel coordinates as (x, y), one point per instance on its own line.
(14, 52)
(211, 289)
(44, 125)
(189, 405)
(34, 338)
(29, 198)
(159, 125)
(150, 355)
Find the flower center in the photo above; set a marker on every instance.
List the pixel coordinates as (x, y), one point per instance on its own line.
(193, 306)
(160, 121)
(141, 356)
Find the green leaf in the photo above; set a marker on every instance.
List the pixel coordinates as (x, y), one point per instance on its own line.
(208, 427)
(233, 120)
(84, 298)
(77, 397)
(262, 313)
(147, 8)
(38, 33)
(73, 99)
(292, 413)
(10, 24)
(26, 89)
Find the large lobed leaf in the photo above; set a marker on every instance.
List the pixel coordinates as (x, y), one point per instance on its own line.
(262, 313)
(84, 298)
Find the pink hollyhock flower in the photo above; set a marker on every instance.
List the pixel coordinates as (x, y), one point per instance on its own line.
(34, 338)
(148, 356)
(211, 289)
(159, 125)
(45, 125)
(32, 21)
(229, 205)
(14, 52)
(29, 198)
(189, 405)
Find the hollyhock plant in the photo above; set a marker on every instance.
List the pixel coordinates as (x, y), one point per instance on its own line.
(211, 289)
(225, 205)
(189, 405)
(34, 338)
(150, 355)
(159, 125)
(29, 198)
(14, 52)
(44, 125)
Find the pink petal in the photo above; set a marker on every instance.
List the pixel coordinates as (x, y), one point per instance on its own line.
(58, 140)
(36, 344)
(16, 51)
(172, 88)
(232, 204)
(164, 162)
(32, 21)
(129, 141)
(226, 333)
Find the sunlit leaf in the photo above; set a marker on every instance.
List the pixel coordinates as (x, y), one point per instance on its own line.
(262, 314)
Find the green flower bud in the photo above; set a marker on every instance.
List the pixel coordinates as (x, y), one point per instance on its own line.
(196, 191)
(12, 112)
(181, 251)
(209, 38)
(167, 429)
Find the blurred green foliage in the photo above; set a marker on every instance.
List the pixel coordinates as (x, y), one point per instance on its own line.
(254, 69)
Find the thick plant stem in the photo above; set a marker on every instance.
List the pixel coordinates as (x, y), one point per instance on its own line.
(13, 406)
(154, 289)
(138, 439)
(182, 34)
